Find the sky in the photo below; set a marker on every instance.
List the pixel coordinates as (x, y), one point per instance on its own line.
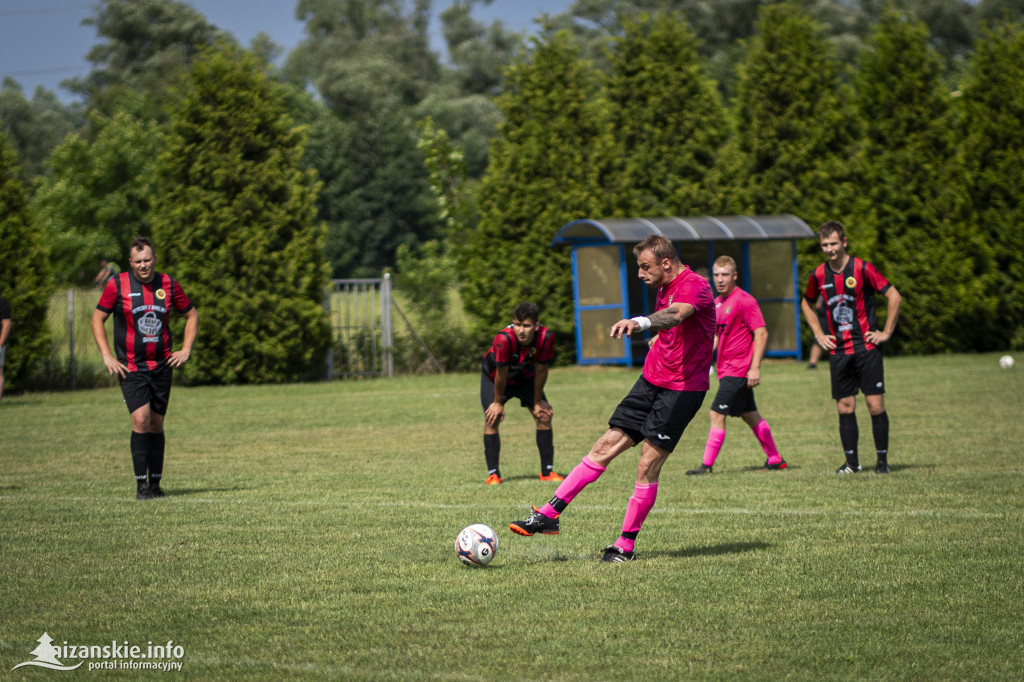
(43, 42)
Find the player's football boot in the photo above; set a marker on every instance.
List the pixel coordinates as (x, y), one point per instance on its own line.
(551, 476)
(881, 467)
(768, 466)
(143, 493)
(156, 491)
(493, 479)
(536, 523)
(702, 469)
(616, 555)
(847, 469)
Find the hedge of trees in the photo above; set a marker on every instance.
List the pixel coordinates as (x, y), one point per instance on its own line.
(365, 153)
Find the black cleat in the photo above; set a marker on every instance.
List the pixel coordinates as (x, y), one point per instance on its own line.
(882, 467)
(614, 554)
(702, 469)
(156, 491)
(847, 469)
(777, 466)
(537, 523)
(144, 493)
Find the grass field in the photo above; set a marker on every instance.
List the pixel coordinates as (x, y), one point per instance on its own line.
(308, 532)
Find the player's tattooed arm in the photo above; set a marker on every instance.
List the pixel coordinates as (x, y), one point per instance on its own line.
(669, 317)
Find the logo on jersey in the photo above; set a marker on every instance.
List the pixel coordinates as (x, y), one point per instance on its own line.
(843, 315)
(851, 282)
(160, 293)
(150, 325)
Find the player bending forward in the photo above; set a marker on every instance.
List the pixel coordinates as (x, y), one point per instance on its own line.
(661, 403)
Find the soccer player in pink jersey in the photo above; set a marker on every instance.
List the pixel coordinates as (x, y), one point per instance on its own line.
(740, 338)
(659, 406)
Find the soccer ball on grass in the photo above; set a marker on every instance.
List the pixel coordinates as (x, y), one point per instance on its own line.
(476, 545)
(1006, 362)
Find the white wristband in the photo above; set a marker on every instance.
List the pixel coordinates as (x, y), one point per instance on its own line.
(643, 322)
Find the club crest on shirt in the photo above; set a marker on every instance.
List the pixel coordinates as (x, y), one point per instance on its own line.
(160, 293)
(851, 282)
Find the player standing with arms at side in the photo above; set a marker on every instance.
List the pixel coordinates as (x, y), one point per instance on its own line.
(740, 338)
(661, 403)
(141, 300)
(849, 286)
(516, 366)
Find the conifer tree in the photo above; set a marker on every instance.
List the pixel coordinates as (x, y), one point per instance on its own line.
(668, 119)
(794, 134)
(904, 161)
(546, 170)
(236, 223)
(988, 192)
(24, 274)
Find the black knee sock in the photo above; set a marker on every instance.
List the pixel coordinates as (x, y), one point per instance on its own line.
(155, 459)
(880, 429)
(140, 453)
(546, 446)
(492, 452)
(848, 435)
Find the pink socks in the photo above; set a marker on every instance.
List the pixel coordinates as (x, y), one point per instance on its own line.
(644, 495)
(715, 439)
(764, 436)
(585, 473)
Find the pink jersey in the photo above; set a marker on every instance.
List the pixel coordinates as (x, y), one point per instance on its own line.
(681, 358)
(736, 316)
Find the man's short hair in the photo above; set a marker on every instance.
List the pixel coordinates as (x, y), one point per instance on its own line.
(660, 246)
(526, 311)
(831, 227)
(726, 262)
(140, 243)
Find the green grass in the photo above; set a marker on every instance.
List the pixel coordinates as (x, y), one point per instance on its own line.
(309, 532)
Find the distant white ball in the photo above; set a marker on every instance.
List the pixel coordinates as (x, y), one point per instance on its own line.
(476, 545)
(1006, 362)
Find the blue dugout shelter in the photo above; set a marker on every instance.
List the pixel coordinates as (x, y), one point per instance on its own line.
(606, 287)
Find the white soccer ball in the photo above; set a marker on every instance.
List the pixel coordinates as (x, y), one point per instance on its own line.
(476, 545)
(1006, 362)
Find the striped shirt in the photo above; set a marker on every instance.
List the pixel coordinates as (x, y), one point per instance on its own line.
(142, 337)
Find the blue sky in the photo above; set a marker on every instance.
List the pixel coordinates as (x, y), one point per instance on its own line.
(43, 42)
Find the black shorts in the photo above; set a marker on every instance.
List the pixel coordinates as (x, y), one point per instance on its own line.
(659, 415)
(522, 391)
(154, 388)
(862, 371)
(734, 397)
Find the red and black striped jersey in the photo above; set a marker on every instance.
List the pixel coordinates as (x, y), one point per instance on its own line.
(142, 337)
(849, 301)
(520, 359)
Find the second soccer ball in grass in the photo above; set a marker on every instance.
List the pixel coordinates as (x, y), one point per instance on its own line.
(1006, 362)
(476, 545)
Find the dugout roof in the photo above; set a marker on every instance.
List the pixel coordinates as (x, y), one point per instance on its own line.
(685, 229)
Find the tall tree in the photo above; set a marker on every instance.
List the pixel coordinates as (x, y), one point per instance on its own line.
(794, 133)
(547, 168)
(148, 46)
(235, 221)
(987, 192)
(98, 195)
(371, 63)
(668, 118)
(24, 276)
(34, 127)
(903, 160)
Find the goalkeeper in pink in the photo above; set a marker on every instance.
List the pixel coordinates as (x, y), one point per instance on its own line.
(740, 338)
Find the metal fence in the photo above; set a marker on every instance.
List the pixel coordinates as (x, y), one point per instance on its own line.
(361, 332)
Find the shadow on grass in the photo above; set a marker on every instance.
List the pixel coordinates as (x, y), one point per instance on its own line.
(174, 492)
(713, 550)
